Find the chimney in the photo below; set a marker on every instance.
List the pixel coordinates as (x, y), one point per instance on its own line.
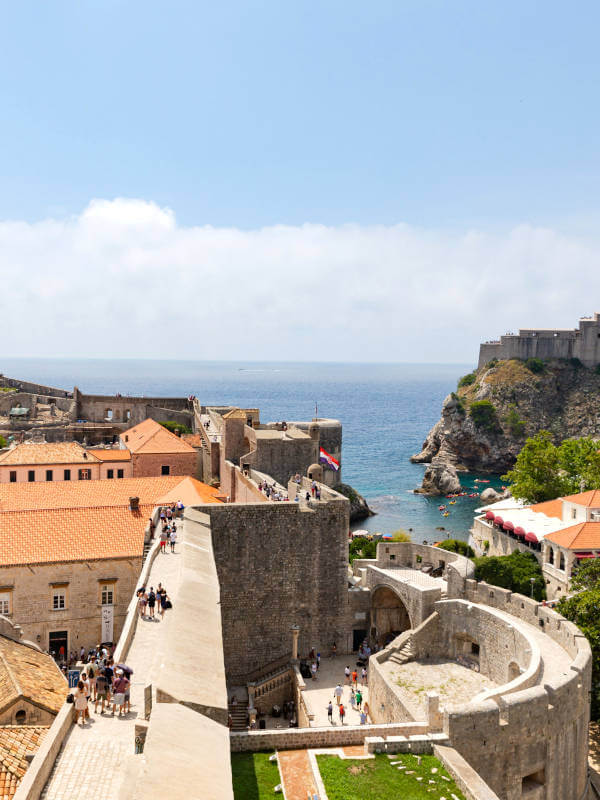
(134, 503)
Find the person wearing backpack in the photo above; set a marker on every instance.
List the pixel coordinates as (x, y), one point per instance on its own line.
(151, 602)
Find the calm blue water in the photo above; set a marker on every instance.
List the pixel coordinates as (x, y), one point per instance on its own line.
(386, 411)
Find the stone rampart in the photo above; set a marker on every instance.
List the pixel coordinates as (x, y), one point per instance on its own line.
(279, 564)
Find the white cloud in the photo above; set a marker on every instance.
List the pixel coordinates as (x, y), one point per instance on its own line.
(123, 279)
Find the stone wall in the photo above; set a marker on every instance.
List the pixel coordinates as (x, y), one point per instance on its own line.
(130, 411)
(147, 465)
(271, 578)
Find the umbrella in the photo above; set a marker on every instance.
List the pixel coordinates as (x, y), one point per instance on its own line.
(127, 670)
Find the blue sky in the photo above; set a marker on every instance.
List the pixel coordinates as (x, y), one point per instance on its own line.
(383, 181)
(256, 113)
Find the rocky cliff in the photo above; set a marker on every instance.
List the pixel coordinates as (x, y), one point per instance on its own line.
(359, 508)
(485, 422)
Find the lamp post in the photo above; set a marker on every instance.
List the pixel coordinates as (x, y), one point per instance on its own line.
(532, 581)
(295, 633)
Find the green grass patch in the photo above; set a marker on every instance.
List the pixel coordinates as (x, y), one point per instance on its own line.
(377, 779)
(254, 776)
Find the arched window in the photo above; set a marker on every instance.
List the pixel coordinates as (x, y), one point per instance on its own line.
(20, 717)
(551, 556)
(562, 561)
(108, 414)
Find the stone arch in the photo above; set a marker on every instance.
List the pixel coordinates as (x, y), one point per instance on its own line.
(389, 615)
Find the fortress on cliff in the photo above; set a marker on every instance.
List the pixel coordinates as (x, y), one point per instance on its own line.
(546, 343)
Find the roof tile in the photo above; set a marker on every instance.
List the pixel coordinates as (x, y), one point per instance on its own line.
(151, 437)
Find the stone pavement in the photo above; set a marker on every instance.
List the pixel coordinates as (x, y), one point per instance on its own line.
(296, 774)
(92, 759)
(318, 693)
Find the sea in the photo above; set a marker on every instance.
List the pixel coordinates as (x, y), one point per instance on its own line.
(386, 411)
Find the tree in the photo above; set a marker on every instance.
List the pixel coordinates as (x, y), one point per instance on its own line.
(175, 427)
(483, 413)
(535, 476)
(587, 575)
(543, 471)
(361, 547)
(584, 610)
(467, 380)
(457, 546)
(2, 442)
(513, 572)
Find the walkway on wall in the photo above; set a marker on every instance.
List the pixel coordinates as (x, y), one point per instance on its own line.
(92, 760)
(318, 693)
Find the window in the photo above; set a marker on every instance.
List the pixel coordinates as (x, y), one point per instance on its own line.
(21, 717)
(474, 649)
(85, 474)
(110, 473)
(59, 597)
(108, 413)
(31, 475)
(165, 469)
(127, 415)
(48, 474)
(573, 513)
(67, 474)
(13, 476)
(5, 603)
(120, 473)
(107, 593)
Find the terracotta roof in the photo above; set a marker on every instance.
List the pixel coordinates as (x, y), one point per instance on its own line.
(150, 437)
(84, 494)
(47, 453)
(16, 741)
(109, 455)
(194, 439)
(584, 536)
(72, 534)
(551, 508)
(588, 499)
(26, 672)
(235, 413)
(191, 492)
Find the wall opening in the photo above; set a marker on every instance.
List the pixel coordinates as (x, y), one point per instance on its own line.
(389, 616)
(513, 671)
(21, 717)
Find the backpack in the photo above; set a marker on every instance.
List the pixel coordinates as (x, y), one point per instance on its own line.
(151, 598)
(91, 670)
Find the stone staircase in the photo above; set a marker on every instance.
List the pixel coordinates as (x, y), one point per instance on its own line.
(405, 652)
(239, 716)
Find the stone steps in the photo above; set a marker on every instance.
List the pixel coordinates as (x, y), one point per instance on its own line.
(404, 653)
(239, 716)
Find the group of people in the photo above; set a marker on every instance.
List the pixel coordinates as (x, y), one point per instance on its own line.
(272, 492)
(102, 682)
(356, 696)
(152, 601)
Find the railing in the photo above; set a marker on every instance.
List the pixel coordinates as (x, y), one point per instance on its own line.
(263, 687)
(264, 673)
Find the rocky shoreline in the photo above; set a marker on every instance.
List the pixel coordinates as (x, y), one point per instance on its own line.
(359, 508)
(485, 422)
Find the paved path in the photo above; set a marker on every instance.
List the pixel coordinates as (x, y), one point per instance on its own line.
(93, 758)
(296, 774)
(318, 693)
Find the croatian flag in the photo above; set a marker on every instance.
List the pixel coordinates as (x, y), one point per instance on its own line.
(329, 460)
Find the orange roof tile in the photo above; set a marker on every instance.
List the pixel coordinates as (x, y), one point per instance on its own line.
(17, 741)
(589, 499)
(47, 453)
(83, 494)
(584, 536)
(72, 534)
(151, 437)
(111, 455)
(191, 492)
(551, 508)
(26, 672)
(194, 439)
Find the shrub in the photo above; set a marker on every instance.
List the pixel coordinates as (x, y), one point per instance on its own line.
(460, 405)
(401, 536)
(512, 572)
(457, 546)
(361, 547)
(2, 442)
(347, 491)
(535, 365)
(483, 414)
(491, 364)
(486, 544)
(176, 427)
(515, 425)
(467, 380)
(597, 369)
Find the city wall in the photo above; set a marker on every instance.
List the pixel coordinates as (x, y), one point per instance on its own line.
(271, 579)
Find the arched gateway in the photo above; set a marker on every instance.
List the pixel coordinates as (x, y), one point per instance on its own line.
(389, 615)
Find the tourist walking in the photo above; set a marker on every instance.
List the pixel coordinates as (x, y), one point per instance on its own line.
(347, 674)
(359, 699)
(92, 671)
(313, 669)
(330, 712)
(151, 602)
(363, 718)
(142, 602)
(354, 677)
(120, 686)
(81, 702)
(352, 699)
(338, 691)
(363, 677)
(173, 538)
(163, 539)
(342, 711)
(101, 692)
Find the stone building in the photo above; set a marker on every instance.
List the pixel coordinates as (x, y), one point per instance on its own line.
(546, 343)
(562, 533)
(156, 451)
(60, 461)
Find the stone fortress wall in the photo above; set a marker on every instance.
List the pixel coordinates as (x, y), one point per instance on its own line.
(582, 343)
(526, 737)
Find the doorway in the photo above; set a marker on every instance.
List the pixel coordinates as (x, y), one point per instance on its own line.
(57, 645)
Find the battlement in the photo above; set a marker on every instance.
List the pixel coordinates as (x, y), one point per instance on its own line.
(582, 342)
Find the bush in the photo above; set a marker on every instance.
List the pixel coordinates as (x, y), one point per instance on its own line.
(347, 491)
(512, 572)
(486, 544)
(2, 442)
(176, 427)
(457, 546)
(460, 405)
(515, 425)
(467, 380)
(361, 547)
(483, 414)
(535, 365)
(401, 536)
(491, 364)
